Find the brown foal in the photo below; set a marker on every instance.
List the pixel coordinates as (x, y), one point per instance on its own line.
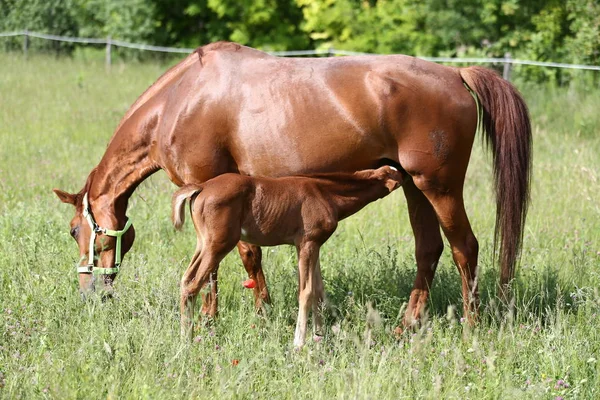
(299, 210)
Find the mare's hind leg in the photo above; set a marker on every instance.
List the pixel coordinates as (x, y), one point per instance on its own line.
(428, 249)
(252, 259)
(453, 219)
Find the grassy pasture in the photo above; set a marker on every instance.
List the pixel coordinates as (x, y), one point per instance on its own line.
(56, 117)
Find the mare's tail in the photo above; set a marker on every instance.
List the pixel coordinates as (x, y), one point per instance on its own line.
(178, 203)
(508, 134)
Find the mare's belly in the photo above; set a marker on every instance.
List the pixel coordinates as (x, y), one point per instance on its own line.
(316, 151)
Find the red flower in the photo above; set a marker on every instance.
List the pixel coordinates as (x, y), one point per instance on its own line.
(249, 283)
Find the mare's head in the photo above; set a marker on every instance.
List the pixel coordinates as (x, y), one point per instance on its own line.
(390, 176)
(96, 231)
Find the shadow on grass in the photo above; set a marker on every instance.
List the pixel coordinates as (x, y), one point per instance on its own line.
(385, 281)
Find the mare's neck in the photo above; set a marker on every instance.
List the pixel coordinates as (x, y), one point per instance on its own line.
(125, 164)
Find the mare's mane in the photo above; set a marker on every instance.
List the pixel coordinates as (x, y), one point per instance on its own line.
(156, 86)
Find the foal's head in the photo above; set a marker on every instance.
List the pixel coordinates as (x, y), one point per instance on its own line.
(390, 176)
(98, 227)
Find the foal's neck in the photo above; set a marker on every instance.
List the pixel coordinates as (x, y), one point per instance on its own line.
(351, 196)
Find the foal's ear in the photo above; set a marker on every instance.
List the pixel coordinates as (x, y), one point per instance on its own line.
(65, 197)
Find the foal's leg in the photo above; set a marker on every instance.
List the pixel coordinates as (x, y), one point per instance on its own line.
(188, 302)
(210, 299)
(318, 301)
(428, 249)
(195, 278)
(455, 223)
(308, 257)
(217, 243)
(252, 259)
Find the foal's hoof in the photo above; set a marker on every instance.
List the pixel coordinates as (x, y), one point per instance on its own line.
(398, 331)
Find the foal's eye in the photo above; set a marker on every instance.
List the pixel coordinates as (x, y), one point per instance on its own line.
(75, 232)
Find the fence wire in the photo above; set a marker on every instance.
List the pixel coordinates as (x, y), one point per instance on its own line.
(294, 53)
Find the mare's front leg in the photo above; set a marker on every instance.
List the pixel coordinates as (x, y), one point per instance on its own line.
(252, 259)
(308, 258)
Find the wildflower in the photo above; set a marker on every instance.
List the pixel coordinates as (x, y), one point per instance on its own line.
(249, 283)
(462, 319)
(217, 347)
(235, 362)
(561, 384)
(198, 339)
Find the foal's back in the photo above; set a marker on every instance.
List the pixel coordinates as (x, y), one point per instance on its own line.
(266, 211)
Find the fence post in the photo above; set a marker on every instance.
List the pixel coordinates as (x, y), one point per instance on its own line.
(25, 42)
(507, 66)
(108, 52)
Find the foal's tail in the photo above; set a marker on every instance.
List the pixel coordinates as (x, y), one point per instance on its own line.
(178, 203)
(508, 134)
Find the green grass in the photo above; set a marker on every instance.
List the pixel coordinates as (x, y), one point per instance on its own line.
(56, 117)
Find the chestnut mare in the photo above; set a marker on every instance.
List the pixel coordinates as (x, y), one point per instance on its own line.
(230, 108)
(299, 210)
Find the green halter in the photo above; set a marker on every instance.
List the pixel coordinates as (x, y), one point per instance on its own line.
(97, 229)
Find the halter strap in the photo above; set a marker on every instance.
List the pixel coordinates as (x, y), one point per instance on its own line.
(97, 229)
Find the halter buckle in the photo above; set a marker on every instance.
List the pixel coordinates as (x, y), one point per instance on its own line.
(85, 269)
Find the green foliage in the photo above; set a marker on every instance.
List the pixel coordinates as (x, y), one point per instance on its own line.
(46, 16)
(583, 45)
(131, 20)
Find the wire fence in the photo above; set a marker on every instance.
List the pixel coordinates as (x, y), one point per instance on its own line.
(507, 60)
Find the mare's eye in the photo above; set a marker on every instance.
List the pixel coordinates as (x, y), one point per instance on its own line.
(75, 232)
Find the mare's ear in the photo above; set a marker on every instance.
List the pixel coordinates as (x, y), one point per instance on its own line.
(65, 197)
